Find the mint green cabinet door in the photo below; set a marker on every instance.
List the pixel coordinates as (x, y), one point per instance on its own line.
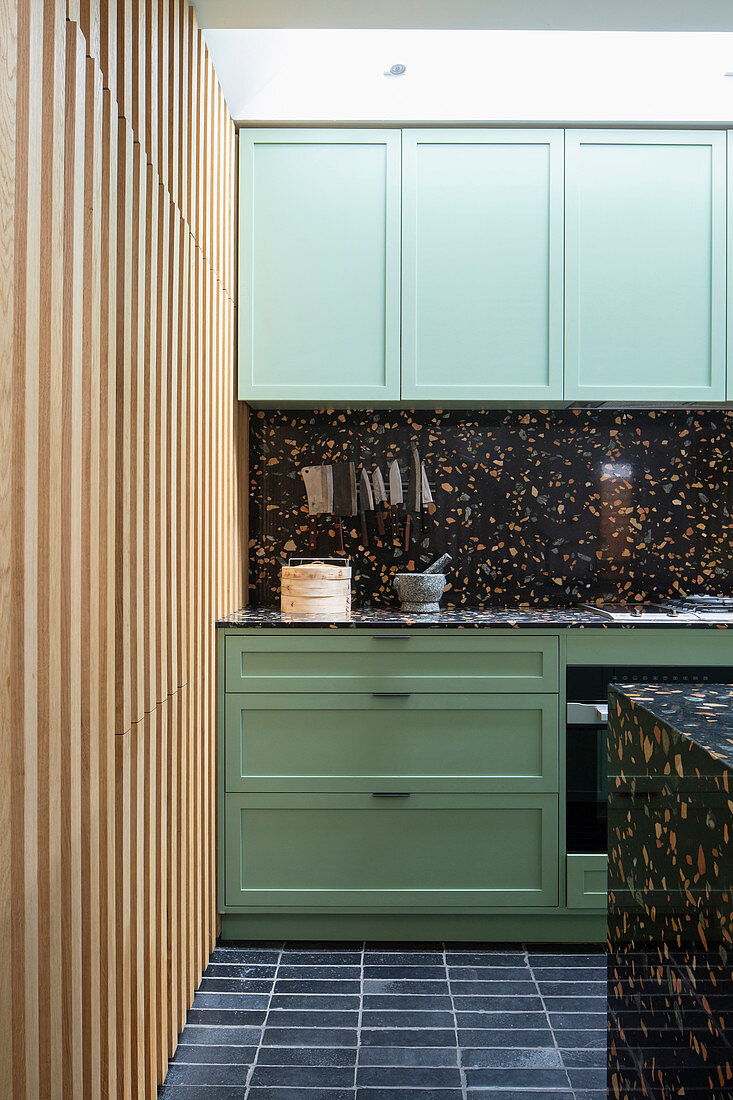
(418, 852)
(645, 265)
(482, 275)
(313, 742)
(319, 265)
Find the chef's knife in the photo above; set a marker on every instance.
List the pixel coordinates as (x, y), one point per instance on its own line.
(344, 495)
(395, 496)
(380, 498)
(428, 503)
(412, 506)
(366, 504)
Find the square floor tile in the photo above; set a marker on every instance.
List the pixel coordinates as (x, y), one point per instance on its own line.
(419, 1019)
(307, 1056)
(182, 1073)
(407, 1037)
(287, 1093)
(309, 1037)
(412, 1077)
(321, 1077)
(224, 1056)
(533, 1077)
(201, 1092)
(511, 1058)
(408, 1093)
(408, 1056)
(472, 1042)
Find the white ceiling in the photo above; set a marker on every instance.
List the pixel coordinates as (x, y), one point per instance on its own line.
(639, 15)
(475, 76)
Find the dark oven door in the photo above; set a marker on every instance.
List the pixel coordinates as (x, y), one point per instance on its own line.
(586, 777)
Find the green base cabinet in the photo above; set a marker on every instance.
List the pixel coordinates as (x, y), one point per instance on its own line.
(397, 782)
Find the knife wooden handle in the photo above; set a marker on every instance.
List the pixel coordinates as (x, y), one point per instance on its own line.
(380, 519)
(312, 532)
(407, 532)
(394, 512)
(340, 533)
(364, 532)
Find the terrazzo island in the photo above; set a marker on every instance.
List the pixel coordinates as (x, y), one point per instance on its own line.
(670, 892)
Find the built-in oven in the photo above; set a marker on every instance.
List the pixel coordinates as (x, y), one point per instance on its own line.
(586, 765)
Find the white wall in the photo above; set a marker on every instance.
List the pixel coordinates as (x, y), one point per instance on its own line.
(503, 76)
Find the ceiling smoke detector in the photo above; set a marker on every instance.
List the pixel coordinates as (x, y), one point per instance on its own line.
(396, 70)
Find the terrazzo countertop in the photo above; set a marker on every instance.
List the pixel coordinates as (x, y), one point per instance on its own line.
(534, 618)
(703, 713)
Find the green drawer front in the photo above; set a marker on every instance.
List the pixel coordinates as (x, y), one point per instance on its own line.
(586, 881)
(421, 852)
(348, 742)
(435, 661)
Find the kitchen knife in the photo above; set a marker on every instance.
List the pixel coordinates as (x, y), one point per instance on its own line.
(366, 504)
(412, 505)
(344, 495)
(427, 497)
(380, 498)
(395, 496)
(316, 486)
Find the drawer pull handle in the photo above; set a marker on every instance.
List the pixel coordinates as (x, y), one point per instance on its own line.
(390, 794)
(391, 694)
(391, 637)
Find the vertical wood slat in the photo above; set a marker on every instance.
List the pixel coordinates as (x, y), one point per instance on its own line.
(92, 548)
(107, 599)
(50, 435)
(8, 343)
(71, 472)
(119, 498)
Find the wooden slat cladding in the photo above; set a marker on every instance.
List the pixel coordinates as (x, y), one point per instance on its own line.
(121, 532)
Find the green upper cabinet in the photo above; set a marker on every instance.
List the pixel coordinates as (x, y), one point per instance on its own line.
(319, 265)
(482, 274)
(645, 260)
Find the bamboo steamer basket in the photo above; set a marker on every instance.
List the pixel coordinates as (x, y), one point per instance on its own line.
(316, 589)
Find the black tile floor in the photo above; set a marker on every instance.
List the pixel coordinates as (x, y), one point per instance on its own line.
(375, 1021)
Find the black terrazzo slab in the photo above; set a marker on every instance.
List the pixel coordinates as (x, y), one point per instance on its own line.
(537, 508)
(551, 618)
(701, 712)
(670, 893)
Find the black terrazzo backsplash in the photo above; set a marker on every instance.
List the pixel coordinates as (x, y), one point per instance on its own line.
(535, 507)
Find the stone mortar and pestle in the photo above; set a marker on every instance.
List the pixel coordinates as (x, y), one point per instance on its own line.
(420, 593)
